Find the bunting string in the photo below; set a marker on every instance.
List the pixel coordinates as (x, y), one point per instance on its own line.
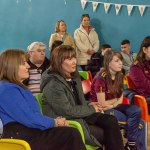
(117, 6)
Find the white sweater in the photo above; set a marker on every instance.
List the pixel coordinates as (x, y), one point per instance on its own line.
(85, 41)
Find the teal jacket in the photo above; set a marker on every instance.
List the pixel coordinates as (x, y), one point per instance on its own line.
(58, 100)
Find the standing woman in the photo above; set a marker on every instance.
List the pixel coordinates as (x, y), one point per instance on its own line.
(86, 40)
(63, 95)
(141, 79)
(20, 112)
(61, 34)
(107, 90)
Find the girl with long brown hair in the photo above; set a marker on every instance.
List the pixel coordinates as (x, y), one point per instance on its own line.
(107, 89)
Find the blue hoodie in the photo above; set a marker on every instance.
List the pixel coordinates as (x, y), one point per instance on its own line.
(19, 105)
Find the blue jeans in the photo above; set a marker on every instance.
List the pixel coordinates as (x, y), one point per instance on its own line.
(129, 118)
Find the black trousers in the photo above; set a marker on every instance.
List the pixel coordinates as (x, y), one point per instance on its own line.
(106, 130)
(57, 138)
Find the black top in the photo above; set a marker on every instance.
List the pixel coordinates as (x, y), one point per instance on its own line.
(95, 63)
(72, 85)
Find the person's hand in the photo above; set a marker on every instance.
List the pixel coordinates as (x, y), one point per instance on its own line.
(97, 108)
(90, 51)
(95, 103)
(60, 121)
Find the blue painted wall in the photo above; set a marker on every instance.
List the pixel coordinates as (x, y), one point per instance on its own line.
(24, 22)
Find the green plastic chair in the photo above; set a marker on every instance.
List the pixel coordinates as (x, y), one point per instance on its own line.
(39, 100)
(77, 125)
(84, 74)
(72, 123)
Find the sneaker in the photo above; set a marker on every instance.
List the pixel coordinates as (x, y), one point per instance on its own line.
(129, 147)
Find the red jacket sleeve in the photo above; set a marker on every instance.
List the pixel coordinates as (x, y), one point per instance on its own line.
(140, 80)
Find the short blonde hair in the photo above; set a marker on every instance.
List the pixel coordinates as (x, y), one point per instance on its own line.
(33, 44)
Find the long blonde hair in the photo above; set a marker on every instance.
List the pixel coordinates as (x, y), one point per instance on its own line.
(9, 65)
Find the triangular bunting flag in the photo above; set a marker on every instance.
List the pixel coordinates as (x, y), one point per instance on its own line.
(95, 4)
(83, 3)
(141, 9)
(117, 8)
(129, 9)
(106, 7)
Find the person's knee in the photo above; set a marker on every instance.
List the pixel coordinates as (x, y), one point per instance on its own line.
(136, 110)
(74, 132)
(112, 120)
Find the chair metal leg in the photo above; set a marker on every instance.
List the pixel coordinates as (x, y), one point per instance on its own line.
(146, 134)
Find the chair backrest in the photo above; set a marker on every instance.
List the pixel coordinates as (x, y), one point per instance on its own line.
(86, 85)
(77, 125)
(130, 83)
(39, 99)
(90, 76)
(125, 100)
(140, 101)
(14, 144)
(84, 74)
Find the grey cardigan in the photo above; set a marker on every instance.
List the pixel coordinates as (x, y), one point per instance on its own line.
(58, 100)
